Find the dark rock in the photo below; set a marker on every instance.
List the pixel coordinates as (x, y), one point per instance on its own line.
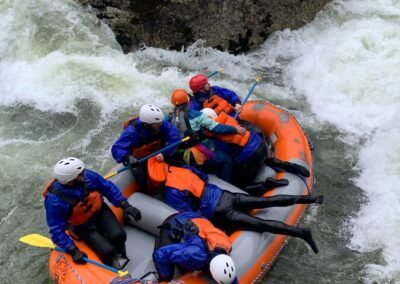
(234, 25)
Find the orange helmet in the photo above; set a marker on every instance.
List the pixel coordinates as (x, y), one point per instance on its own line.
(198, 82)
(179, 96)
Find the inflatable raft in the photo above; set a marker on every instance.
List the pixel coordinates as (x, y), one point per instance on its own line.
(252, 252)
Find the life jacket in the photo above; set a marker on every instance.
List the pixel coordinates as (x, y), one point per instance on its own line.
(241, 140)
(214, 237)
(175, 177)
(81, 211)
(218, 104)
(148, 147)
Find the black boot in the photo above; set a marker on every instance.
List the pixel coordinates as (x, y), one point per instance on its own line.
(272, 183)
(309, 199)
(281, 166)
(307, 237)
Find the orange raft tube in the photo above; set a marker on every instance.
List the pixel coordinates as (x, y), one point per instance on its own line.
(252, 252)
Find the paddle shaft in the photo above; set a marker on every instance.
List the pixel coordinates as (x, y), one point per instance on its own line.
(93, 262)
(249, 93)
(148, 157)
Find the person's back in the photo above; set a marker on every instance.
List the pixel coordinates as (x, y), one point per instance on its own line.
(191, 241)
(217, 98)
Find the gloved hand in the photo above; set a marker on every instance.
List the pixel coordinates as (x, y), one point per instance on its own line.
(77, 255)
(132, 161)
(131, 213)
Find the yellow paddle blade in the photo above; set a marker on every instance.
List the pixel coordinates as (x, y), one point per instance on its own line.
(110, 175)
(37, 240)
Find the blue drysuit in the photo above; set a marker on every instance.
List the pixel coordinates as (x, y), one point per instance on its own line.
(183, 201)
(58, 211)
(191, 253)
(139, 135)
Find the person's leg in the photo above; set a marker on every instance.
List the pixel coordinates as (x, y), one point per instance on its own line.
(247, 222)
(221, 165)
(110, 228)
(96, 241)
(246, 202)
(247, 171)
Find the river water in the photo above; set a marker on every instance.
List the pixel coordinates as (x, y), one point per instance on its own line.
(66, 87)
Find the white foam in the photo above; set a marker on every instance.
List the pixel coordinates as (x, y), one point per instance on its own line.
(346, 64)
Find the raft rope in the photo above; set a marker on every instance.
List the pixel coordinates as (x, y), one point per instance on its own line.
(61, 255)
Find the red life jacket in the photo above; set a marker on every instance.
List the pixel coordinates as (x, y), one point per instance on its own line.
(175, 177)
(214, 237)
(147, 149)
(237, 139)
(218, 104)
(81, 211)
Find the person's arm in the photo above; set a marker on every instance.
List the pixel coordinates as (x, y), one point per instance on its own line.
(122, 148)
(105, 187)
(200, 120)
(226, 94)
(57, 212)
(171, 135)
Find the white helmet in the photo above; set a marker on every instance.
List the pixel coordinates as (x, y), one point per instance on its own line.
(151, 114)
(223, 269)
(68, 169)
(209, 112)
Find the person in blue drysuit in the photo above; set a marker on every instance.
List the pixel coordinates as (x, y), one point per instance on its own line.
(217, 98)
(74, 201)
(192, 242)
(142, 136)
(187, 189)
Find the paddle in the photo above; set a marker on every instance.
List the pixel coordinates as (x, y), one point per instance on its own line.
(148, 157)
(37, 240)
(219, 70)
(258, 78)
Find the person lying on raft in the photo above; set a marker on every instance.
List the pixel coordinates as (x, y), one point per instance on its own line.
(74, 200)
(191, 123)
(217, 98)
(142, 136)
(248, 151)
(190, 241)
(187, 189)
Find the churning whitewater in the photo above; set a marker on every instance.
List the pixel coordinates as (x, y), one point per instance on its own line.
(66, 87)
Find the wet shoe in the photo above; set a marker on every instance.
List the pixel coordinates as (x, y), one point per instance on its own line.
(120, 262)
(272, 183)
(309, 199)
(307, 236)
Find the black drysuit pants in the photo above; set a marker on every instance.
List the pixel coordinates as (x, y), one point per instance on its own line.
(103, 234)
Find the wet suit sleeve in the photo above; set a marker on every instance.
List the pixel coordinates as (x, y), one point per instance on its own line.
(203, 121)
(105, 187)
(171, 135)
(57, 212)
(122, 148)
(226, 94)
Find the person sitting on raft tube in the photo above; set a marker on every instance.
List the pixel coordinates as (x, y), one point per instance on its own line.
(142, 136)
(249, 150)
(191, 123)
(74, 201)
(187, 189)
(217, 98)
(190, 241)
